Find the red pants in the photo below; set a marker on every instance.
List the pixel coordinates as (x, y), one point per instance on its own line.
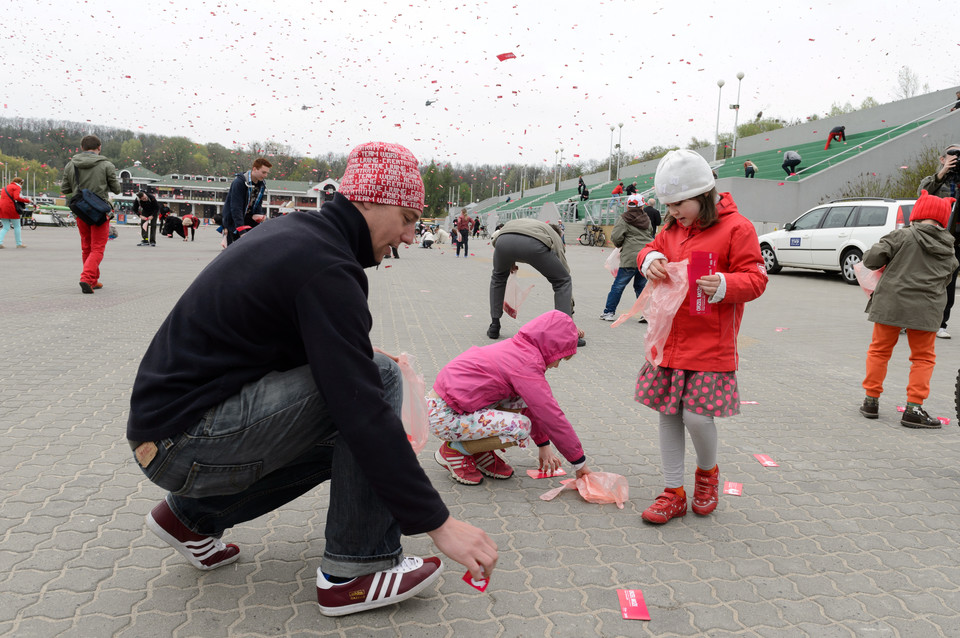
(93, 241)
(834, 136)
(922, 360)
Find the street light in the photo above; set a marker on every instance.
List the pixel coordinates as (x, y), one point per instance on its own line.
(716, 142)
(610, 163)
(560, 166)
(619, 148)
(736, 116)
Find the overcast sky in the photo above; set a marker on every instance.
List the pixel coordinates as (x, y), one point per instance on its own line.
(219, 72)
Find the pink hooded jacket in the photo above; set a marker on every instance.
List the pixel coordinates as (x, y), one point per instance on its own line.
(516, 367)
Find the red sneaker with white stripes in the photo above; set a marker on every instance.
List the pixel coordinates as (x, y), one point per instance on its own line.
(378, 589)
(492, 464)
(462, 466)
(203, 552)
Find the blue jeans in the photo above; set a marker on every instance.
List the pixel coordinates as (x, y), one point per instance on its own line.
(624, 275)
(6, 225)
(264, 447)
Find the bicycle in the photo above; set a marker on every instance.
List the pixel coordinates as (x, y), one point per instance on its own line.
(593, 236)
(27, 220)
(59, 220)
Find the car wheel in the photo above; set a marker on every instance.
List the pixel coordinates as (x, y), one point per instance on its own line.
(850, 259)
(770, 262)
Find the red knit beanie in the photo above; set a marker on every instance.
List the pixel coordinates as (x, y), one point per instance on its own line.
(383, 173)
(932, 207)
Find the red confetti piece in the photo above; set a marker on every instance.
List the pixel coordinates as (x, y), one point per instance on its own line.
(506, 56)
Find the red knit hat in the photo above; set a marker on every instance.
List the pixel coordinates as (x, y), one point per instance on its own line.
(932, 207)
(383, 173)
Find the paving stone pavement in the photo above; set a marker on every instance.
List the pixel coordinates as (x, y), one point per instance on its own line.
(855, 534)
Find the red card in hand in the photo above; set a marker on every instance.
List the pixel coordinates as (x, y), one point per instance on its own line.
(632, 605)
(702, 263)
(479, 585)
(540, 474)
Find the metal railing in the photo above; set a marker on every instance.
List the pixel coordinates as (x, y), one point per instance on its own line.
(889, 135)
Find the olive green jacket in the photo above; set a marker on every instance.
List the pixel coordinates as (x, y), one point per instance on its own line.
(912, 291)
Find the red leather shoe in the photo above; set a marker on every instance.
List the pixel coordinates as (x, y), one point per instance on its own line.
(668, 505)
(707, 491)
(203, 552)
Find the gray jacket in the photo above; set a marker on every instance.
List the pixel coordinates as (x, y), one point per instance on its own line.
(912, 291)
(539, 231)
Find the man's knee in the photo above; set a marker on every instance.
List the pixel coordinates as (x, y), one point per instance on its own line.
(389, 374)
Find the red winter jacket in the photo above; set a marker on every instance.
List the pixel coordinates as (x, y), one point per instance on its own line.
(8, 209)
(708, 343)
(617, 190)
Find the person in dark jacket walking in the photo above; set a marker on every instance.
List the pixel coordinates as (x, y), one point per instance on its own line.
(236, 420)
(244, 202)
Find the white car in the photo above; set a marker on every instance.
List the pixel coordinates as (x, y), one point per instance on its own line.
(834, 236)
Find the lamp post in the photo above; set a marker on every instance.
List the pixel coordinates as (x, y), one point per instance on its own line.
(610, 163)
(619, 148)
(560, 169)
(716, 139)
(556, 166)
(736, 116)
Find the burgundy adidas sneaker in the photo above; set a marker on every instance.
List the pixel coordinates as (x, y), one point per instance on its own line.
(378, 589)
(492, 464)
(203, 552)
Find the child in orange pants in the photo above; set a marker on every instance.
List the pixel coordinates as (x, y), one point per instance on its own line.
(919, 262)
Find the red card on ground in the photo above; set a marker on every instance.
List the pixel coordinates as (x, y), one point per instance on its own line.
(479, 585)
(736, 489)
(765, 460)
(632, 605)
(537, 474)
(945, 420)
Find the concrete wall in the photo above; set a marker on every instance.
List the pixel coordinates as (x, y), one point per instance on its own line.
(772, 203)
(929, 105)
(775, 204)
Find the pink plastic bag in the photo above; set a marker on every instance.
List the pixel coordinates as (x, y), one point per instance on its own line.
(596, 487)
(514, 296)
(868, 279)
(613, 262)
(659, 302)
(413, 413)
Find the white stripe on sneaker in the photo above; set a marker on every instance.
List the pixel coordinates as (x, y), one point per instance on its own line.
(396, 585)
(371, 593)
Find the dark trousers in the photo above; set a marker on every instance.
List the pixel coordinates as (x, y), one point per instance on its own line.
(790, 166)
(464, 236)
(148, 225)
(512, 249)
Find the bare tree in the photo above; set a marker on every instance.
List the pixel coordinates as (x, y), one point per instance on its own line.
(908, 83)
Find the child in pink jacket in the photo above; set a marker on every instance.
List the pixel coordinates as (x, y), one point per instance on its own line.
(497, 396)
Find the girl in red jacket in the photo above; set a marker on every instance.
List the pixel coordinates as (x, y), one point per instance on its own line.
(697, 380)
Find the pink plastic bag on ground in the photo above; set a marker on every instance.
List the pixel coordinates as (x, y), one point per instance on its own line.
(514, 295)
(596, 487)
(659, 303)
(413, 413)
(867, 278)
(613, 262)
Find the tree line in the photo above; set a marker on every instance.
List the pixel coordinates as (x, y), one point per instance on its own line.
(42, 147)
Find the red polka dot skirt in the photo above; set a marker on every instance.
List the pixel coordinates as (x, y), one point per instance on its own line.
(669, 390)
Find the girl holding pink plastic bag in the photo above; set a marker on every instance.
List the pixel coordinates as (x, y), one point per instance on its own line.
(695, 379)
(497, 396)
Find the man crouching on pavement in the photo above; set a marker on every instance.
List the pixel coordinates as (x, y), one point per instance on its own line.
(235, 421)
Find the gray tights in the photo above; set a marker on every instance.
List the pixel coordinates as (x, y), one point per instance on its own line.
(703, 433)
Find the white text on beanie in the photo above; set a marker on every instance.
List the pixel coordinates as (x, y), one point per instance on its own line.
(383, 173)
